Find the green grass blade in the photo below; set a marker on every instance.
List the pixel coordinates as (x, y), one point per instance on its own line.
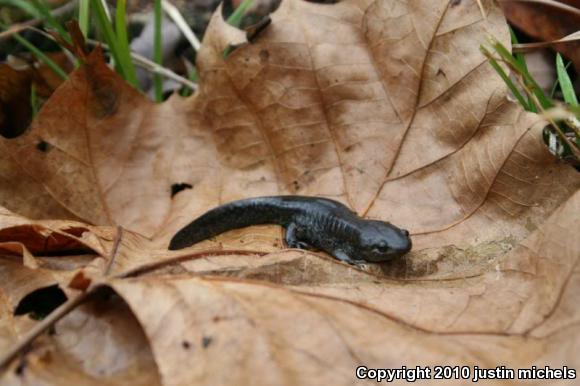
(236, 17)
(506, 79)
(557, 82)
(123, 50)
(528, 79)
(157, 51)
(41, 56)
(84, 16)
(565, 82)
(50, 20)
(193, 76)
(34, 101)
(521, 58)
(106, 29)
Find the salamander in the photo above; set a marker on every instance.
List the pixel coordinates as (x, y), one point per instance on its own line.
(310, 223)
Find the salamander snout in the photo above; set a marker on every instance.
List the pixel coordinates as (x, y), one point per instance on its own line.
(402, 244)
(382, 241)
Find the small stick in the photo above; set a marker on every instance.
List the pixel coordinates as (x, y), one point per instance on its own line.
(150, 65)
(41, 327)
(525, 47)
(178, 19)
(70, 304)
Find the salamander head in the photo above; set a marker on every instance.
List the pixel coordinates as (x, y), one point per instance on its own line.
(382, 241)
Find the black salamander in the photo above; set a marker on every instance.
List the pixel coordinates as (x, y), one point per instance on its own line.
(310, 222)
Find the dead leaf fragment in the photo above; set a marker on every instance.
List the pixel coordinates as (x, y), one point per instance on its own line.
(547, 22)
(80, 282)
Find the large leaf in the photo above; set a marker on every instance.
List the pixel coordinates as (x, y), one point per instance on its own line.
(387, 106)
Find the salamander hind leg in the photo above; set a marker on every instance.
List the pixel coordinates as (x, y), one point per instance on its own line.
(292, 238)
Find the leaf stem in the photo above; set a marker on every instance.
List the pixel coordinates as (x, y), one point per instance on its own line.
(44, 325)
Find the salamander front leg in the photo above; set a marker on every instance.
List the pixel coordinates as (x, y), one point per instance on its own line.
(292, 238)
(342, 256)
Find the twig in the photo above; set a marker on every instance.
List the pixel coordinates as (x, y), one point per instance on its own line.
(178, 19)
(149, 65)
(525, 47)
(140, 61)
(542, 110)
(537, 103)
(71, 304)
(41, 327)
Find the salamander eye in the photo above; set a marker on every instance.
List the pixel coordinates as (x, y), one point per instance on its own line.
(383, 247)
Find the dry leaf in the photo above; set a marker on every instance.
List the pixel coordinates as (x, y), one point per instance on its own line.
(387, 106)
(522, 312)
(547, 22)
(15, 91)
(98, 343)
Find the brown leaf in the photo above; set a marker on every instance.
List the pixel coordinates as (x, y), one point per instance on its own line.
(521, 312)
(96, 342)
(104, 165)
(80, 282)
(15, 91)
(547, 23)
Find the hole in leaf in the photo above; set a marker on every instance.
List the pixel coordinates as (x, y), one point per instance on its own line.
(167, 94)
(41, 302)
(20, 368)
(176, 188)
(43, 146)
(15, 107)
